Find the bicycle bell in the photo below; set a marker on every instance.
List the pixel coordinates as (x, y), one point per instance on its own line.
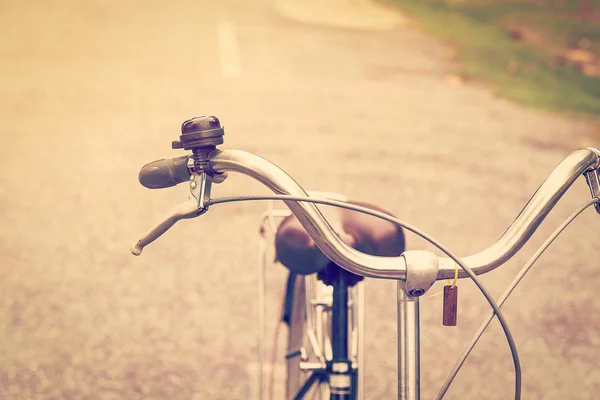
(201, 135)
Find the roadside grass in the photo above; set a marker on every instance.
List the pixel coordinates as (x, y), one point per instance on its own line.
(539, 53)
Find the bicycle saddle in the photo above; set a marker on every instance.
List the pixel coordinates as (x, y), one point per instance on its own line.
(296, 250)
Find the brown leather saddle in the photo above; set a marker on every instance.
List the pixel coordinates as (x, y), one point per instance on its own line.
(297, 251)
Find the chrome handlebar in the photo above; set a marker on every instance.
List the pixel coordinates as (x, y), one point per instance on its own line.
(583, 161)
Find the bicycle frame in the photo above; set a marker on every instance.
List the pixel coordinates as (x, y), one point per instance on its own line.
(408, 321)
(318, 299)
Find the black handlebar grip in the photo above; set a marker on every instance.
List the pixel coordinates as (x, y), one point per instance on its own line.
(165, 173)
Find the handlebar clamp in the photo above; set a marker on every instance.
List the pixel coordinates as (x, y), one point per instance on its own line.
(421, 271)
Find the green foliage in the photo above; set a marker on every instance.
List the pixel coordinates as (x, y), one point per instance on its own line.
(533, 70)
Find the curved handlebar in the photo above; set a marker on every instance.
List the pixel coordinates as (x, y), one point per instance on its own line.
(548, 194)
(531, 216)
(528, 220)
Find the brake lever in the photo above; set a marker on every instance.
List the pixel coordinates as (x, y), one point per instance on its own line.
(196, 205)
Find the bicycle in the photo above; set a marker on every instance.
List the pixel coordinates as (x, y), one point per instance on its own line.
(415, 271)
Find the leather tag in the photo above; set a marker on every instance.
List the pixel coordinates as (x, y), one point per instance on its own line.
(450, 305)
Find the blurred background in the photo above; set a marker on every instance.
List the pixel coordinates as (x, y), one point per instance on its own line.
(449, 114)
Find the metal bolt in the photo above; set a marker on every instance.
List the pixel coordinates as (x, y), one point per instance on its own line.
(416, 292)
(193, 185)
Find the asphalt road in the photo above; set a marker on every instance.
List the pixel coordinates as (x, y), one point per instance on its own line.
(347, 98)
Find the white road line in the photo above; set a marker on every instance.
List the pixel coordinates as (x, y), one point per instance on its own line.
(229, 50)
